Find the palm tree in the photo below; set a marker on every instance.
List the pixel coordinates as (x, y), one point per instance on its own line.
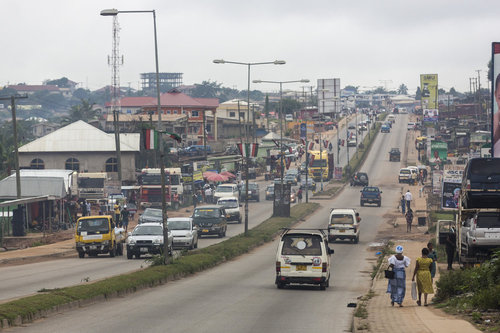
(83, 111)
(403, 89)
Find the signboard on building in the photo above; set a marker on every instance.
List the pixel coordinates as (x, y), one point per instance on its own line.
(451, 183)
(328, 96)
(437, 176)
(439, 154)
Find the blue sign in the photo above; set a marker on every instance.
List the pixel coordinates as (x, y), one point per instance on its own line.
(303, 130)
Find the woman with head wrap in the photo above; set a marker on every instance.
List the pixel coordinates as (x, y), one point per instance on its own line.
(397, 286)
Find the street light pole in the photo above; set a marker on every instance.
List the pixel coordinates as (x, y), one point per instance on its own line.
(115, 12)
(248, 64)
(281, 126)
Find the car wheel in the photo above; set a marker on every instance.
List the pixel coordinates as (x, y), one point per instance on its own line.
(239, 220)
(322, 286)
(328, 282)
(130, 255)
(112, 252)
(280, 285)
(379, 203)
(361, 203)
(120, 249)
(81, 254)
(356, 240)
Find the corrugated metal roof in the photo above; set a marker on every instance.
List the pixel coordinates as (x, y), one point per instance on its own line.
(81, 137)
(66, 175)
(32, 187)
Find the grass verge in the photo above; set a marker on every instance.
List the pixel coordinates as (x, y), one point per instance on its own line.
(329, 192)
(30, 308)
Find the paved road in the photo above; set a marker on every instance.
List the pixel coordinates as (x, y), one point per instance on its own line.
(240, 296)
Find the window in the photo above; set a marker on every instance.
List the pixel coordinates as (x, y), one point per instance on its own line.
(232, 114)
(168, 112)
(37, 164)
(111, 165)
(72, 164)
(194, 113)
(242, 115)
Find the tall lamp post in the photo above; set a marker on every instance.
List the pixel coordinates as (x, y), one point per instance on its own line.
(248, 64)
(115, 12)
(281, 127)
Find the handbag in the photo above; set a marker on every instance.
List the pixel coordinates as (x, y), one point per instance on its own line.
(389, 274)
(413, 290)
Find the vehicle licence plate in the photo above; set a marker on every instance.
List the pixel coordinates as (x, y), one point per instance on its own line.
(144, 249)
(492, 234)
(301, 268)
(205, 230)
(341, 230)
(93, 247)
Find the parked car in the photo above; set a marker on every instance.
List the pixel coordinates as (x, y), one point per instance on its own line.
(270, 192)
(232, 207)
(151, 215)
(343, 223)
(372, 195)
(289, 117)
(481, 233)
(404, 176)
(481, 183)
(147, 238)
(184, 232)
(253, 192)
(210, 220)
(359, 178)
(385, 128)
(303, 257)
(411, 126)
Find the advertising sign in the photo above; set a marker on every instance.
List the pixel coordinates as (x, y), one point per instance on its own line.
(451, 183)
(303, 130)
(338, 173)
(495, 98)
(437, 176)
(429, 96)
(439, 154)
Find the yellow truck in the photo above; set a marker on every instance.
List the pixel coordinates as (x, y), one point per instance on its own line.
(98, 235)
(319, 166)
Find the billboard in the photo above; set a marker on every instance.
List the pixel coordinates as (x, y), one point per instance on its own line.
(495, 99)
(328, 96)
(451, 184)
(439, 154)
(429, 96)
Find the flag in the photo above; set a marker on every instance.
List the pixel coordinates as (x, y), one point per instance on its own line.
(311, 157)
(311, 145)
(317, 141)
(276, 143)
(248, 149)
(151, 139)
(325, 143)
(174, 136)
(290, 150)
(303, 142)
(288, 162)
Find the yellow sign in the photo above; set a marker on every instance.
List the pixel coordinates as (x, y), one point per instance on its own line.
(429, 91)
(198, 176)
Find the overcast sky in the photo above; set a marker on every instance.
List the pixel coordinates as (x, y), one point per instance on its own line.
(363, 42)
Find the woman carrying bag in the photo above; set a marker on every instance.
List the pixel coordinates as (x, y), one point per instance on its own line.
(397, 286)
(423, 273)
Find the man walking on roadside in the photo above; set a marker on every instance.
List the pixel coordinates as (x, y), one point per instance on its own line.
(408, 198)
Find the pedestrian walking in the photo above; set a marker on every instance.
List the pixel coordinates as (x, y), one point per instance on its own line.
(409, 219)
(433, 255)
(195, 200)
(200, 197)
(402, 203)
(450, 248)
(299, 195)
(408, 199)
(124, 217)
(423, 274)
(397, 286)
(208, 195)
(89, 208)
(117, 214)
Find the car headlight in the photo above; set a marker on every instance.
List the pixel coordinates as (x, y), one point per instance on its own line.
(79, 244)
(156, 241)
(131, 241)
(106, 242)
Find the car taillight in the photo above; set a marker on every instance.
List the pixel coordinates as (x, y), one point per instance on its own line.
(324, 267)
(278, 267)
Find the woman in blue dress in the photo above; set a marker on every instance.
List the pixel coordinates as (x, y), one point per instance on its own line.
(397, 286)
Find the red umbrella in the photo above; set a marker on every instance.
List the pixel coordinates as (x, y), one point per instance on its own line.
(215, 177)
(208, 173)
(228, 174)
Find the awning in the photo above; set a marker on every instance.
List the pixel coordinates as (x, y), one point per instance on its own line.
(27, 200)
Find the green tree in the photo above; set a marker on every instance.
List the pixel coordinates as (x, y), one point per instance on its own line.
(352, 88)
(418, 94)
(61, 83)
(403, 89)
(453, 92)
(441, 91)
(83, 111)
(290, 105)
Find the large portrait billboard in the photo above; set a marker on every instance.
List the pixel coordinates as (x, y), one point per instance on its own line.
(452, 181)
(495, 129)
(429, 96)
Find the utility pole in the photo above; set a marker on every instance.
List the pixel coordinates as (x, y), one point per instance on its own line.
(14, 129)
(321, 156)
(204, 135)
(307, 170)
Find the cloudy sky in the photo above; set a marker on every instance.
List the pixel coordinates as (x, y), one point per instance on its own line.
(365, 43)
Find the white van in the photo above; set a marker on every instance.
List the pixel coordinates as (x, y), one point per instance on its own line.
(411, 126)
(303, 257)
(232, 207)
(226, 191)
(289, 117)
(344, 224)
(391, 118)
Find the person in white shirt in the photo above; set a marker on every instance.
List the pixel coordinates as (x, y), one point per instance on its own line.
(208, 195)
(397, 286)
(408, 198)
